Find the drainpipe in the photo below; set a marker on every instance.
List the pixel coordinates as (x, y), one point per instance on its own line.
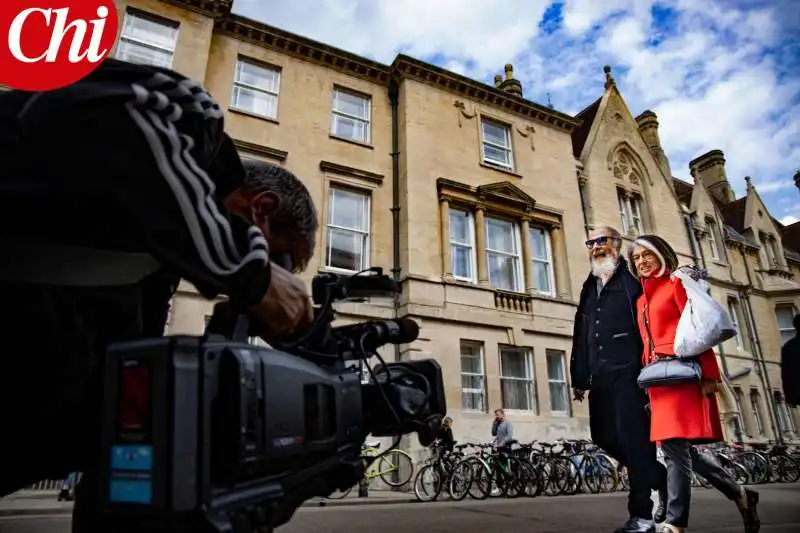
(758, 355)
(394, 91)
(582, 194)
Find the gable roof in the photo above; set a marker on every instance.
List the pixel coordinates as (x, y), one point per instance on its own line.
(581, 133)
(791, 236)
(683, 190)
(733, 212)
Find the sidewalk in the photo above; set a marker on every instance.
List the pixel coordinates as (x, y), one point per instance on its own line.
(45, 503)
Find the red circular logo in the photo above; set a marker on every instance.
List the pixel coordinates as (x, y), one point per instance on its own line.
(48, 44)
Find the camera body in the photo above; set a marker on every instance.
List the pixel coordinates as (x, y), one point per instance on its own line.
(211, 433)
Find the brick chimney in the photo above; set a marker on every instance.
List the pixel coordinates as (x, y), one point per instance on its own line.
(648, 127)
(710, 169)
(509, 85)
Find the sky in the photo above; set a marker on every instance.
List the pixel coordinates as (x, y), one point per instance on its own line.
(720, 74)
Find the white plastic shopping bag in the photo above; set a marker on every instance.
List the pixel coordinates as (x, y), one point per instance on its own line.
(704, 323)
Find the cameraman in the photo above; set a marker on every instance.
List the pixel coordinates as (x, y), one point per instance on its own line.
(112, 187)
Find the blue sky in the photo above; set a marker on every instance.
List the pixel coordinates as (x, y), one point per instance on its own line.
(720, 74)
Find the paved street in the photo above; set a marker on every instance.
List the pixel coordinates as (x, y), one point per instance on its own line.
(780, 513)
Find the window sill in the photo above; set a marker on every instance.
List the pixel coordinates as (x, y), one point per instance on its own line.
(253, 115)
(520, 412)
(500, 169)
(351, 141)
(340, 271)
(560, 414)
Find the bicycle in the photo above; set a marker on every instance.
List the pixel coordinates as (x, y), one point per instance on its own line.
(389, 467)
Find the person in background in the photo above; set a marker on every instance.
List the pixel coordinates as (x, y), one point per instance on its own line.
(502, 431)
(606, 360)
(682, 414)
(68, 488)
(445, 435)
(790, 367)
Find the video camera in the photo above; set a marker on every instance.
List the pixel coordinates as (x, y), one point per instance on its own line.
(211, 433)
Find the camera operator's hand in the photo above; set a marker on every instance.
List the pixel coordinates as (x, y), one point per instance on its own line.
(285, 308)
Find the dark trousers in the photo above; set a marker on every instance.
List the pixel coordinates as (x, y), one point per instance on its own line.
(682, 459)
(621, 427)
(51, 383)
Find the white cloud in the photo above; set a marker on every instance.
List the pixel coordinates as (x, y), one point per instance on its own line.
(789, 219)
(720, 74)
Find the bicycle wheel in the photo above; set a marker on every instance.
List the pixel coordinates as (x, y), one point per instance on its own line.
(591, 474)
(396, 468)
(428, 483)
(481, 486)
(737, 472)
(460, 481)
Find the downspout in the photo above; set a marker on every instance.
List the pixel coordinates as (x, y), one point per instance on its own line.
(394, 92)
(757, 353)
(582, 193)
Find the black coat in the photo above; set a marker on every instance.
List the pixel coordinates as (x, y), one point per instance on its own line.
(606, 343)
(790, 370)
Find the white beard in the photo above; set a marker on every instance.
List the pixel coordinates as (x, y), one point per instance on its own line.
(604, 268)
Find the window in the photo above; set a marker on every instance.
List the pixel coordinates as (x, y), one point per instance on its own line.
(557, 381)
(785, 315)
(348, 230)
(462, 245)
(473, 377)
(255, 89)
(147, 40)
(712, 238)
(733, 312)
(542, 257)
(516, 379)
(351, 116)
(503, 254)
(737, 396)
(496, 144)
(754, 405)
(784, 419)
(630, 213)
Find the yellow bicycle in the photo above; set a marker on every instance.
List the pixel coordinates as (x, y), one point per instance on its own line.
(395, 468)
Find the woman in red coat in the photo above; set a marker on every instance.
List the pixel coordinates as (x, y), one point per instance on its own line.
(681, 415)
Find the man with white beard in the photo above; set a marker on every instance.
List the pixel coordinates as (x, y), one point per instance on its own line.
(606, 360)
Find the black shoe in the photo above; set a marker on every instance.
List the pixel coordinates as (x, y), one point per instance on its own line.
(660, 511)
(64, 496)
(637, 525)
(750, 513)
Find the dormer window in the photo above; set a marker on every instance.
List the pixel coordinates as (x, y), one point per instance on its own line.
(713, 241)
(630, 212)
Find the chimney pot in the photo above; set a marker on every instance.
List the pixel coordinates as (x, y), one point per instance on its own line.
(509, 71)
(498, 79)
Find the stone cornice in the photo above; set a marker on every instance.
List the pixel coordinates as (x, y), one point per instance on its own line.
(264, 151)
(303, 48)
(403, 66)
(408, 67)
(502, 198)
(344, 170)
(216, 9)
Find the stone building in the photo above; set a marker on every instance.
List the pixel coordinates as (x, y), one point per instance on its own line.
(480, 201)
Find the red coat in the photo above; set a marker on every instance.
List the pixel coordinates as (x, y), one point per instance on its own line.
(677, 411)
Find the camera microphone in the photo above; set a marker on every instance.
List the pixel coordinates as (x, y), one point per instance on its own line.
(376, 333)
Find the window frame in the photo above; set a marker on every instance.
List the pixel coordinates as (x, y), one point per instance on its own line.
(755, 405)
(156, 19)
(519, 275)
(530, 368)
(336, 113)
(366, 234)
(241, 60)
(561, 355)
(627, 201)
(551, 275)
(473, 247)
(792, 312)
(713, 242)
(508, 149)
(482, 375)
(733, 313)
